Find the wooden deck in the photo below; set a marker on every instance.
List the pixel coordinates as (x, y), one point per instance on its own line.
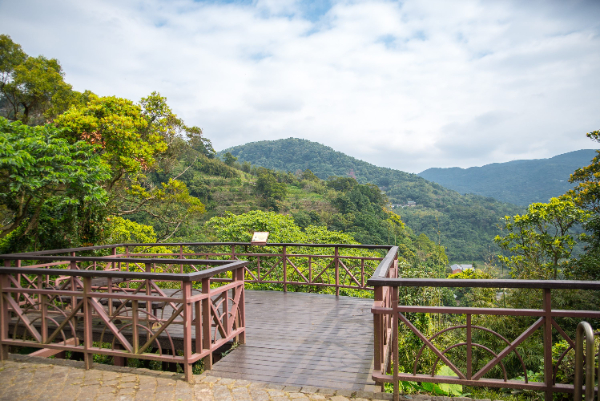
(301, 339)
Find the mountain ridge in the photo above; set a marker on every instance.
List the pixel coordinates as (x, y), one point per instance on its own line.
(465, 224)
(520, 182)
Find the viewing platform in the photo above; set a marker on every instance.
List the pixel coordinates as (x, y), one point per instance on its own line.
(332, 323)
(302, 339)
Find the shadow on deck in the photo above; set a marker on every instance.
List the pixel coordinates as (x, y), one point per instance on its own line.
(302, 339)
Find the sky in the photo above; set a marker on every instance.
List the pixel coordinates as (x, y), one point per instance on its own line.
(402, 84)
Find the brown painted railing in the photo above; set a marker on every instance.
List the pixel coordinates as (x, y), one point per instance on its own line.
(335, 266)
(388, 315)
(144, 302)
(171, 303)
(153, 308)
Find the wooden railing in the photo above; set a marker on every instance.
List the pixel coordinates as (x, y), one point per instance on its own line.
(164, 310)
(388, 315)
(335, 266)
(169, 303)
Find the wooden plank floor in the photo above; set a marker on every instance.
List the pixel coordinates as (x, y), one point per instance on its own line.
(304, 340)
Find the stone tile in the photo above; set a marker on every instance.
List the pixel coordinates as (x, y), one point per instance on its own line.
(274, 386)
(293, 389)
(240, 394)
(384, 396)
(125, 397)
(259, 395)
(161, 395)
(144, 396)
(105, 397)
(363, 394)
(339, 398)
(309, 389)
(298, 396)
(275, 393)
(47, 397)
(210, 379)
(222, 393)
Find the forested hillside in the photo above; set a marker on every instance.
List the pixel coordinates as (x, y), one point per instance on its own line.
(465, 225)
(521, 182)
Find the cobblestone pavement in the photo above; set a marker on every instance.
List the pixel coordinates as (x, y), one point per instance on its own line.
(28, 378)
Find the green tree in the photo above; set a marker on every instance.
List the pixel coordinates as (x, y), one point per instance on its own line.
(32, 88)
(474, 297)
(135, 140)
(309, 176)
(587, 191)
(38, 166)
(270, 189)
(282, 229)
(587, 195)
(343, 184)
(229, 159)
(542, 240)
(240, 228)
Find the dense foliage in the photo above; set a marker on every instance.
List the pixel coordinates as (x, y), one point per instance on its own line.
(95, 157)
(520, 182)
(42, 177)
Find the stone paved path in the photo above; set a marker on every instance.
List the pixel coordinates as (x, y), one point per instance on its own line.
(29, 378)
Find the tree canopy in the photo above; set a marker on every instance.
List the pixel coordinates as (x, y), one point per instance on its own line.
(32, 89)
(38, 166)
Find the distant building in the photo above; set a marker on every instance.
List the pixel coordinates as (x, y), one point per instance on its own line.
(460, 268)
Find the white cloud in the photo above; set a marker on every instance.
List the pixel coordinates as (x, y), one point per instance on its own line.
(406, 85)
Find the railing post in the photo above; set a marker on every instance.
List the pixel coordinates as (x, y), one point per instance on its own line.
(378, 344)
(148, 269)
(362, 273)
(284, 269)
(206, 323)
(187, 330)
(134, 326)
(198, 326)
(584, 328)
(394, 340)
(4, 316)
(73, 266)
(43, 310)
(226, 308)
(87, 323)
(548, 368)
(337, 272)
(469, 349)
(242, 306)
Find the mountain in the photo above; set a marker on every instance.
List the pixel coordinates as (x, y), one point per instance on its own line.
(520, 181)
(465, 224)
